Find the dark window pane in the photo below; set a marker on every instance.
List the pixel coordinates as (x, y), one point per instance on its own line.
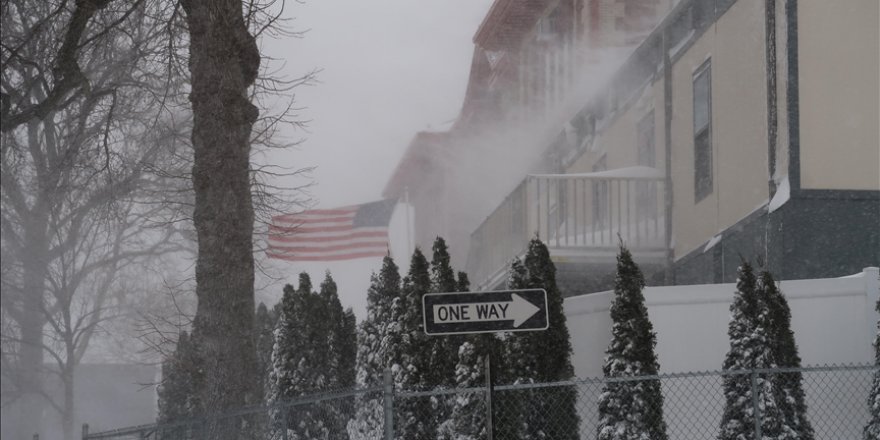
(703, 132)
(702, 165)
(702, 100)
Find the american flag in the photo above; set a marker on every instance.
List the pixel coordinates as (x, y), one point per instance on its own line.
(345, 233)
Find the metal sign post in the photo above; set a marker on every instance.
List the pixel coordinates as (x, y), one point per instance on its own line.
(485, 312)
(490, 390)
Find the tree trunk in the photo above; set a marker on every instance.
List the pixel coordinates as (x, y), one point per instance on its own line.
(224, 60)
(69, 411)
(31, 347)
(31, 354)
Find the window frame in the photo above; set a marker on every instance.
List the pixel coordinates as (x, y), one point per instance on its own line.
(702, 136)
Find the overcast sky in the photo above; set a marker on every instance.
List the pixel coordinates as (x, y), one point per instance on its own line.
(390, 68)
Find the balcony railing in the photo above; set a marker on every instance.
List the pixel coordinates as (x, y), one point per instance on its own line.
(579, 217)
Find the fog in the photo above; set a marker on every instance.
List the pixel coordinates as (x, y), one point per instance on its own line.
(387, 70)
(99, 244)
(383, 78)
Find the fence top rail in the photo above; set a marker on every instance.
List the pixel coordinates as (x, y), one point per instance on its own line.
(665, 376)
(627, 173)
(440, 392)
(241, 411)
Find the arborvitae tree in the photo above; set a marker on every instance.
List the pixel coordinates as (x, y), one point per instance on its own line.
(340, 363)
(305, 284)
(468, 418)
(554, 358)
(176, 391)
(463, 284)
(315, 319)
(333, 327)
(348, 350)
(444, 349)
(750, 348)
(517, 366)
(442, 275)
(788, 386)
(285, 335)
(378, 337)
(872, 429)
(299, 359)
(630, 410)
(264, 327)
(346, 378)
(516, 276)
(513, 365)
(178, 394)
(414, 419)
(342, 337)
(536, 357)
(264, 340)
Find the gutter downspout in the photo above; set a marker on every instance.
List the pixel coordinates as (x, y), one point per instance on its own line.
(667, 140)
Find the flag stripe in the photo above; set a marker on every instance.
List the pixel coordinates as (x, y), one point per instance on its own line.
(356, 233)
(292, 223)
(326, 254)
(307, 249)
(339, 257)
(301, 230)
(317, 212)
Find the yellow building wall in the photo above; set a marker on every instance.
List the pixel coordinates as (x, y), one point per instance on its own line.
(617, 140)
(839, 48)
(735, 46)
(839, 72)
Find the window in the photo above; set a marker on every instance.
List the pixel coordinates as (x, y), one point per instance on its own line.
(703, 132)
(549, 27)
(646, 192)
(587, 131)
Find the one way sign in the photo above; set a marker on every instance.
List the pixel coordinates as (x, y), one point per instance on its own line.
(485, 312)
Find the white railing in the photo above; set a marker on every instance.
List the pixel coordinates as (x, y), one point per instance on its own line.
(590, 210)
(574, 214)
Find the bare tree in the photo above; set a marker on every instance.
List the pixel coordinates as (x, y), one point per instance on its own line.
(94, 156)
(79, 128)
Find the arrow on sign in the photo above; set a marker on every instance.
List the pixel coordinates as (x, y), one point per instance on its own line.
(517, 309)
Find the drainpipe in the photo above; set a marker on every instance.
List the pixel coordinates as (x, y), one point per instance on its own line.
(667, 140)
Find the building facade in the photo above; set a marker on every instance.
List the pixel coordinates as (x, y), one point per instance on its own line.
(733, 129)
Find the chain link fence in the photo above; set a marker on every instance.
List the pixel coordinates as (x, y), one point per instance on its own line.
(693, 407)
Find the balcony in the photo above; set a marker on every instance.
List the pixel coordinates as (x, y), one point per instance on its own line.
(579, 217)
